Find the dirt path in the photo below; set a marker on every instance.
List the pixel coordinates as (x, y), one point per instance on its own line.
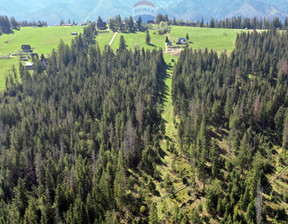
(111, 42)
(172, 51)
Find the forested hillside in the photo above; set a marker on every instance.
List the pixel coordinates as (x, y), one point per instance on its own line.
(233, 115)
(69, 135)
(83, 140)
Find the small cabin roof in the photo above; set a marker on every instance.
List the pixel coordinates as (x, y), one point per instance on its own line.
(25, 46)
(28, 64)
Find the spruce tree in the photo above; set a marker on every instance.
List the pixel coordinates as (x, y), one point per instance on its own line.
(148, 39)
(187, 37)
(122, 45)
(153, 217)
(167, 39)
(285, 133)
(131, 24)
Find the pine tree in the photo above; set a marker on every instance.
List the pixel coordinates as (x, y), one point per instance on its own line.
(187, 37)
(148, 39)
(174, 21)
(259, 202)
(153, 217)
(251, 213)
(167, 40)
(201, 23)
(285, 133)
(139, 23)
(131, 24)
(120, 182)
(122, 45)
(202, 170)
(100, 23)
(31, 215)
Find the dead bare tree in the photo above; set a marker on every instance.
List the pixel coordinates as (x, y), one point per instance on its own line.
(259, 202)
(130, 143)
(192, 108)
(111, 134)
(139, 113)
(256, 111)
(285, 133)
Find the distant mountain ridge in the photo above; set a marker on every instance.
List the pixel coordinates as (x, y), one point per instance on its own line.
(81, 10)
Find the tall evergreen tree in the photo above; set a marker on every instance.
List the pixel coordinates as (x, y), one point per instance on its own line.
(148, 39)
(122, 45)
(153, 217)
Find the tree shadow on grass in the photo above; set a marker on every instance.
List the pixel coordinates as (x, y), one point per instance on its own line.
(164, 89)
(162, 154)
(152, 45)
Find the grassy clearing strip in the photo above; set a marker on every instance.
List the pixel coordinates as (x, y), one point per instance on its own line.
(171, 164)
(175, 192)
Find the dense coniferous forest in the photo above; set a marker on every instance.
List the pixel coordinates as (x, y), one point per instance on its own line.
(70, 134)
(8, 24)
(80, 140)
(238, 22)
(242, 98)
(247, 23)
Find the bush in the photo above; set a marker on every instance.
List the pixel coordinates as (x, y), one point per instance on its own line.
(157, 174)
(200, 207)
(131, 182)
(151, 185)
(143, 209)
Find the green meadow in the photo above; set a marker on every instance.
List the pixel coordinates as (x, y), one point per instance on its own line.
(103, 38)
(5, 66)
(201, 38)
(137, 40)
(44, 40)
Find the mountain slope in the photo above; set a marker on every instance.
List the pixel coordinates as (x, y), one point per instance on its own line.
(82, 10)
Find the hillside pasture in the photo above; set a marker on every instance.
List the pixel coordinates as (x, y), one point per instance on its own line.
(103, 38)
(137, 40)
(42, 40)
(201, 38)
